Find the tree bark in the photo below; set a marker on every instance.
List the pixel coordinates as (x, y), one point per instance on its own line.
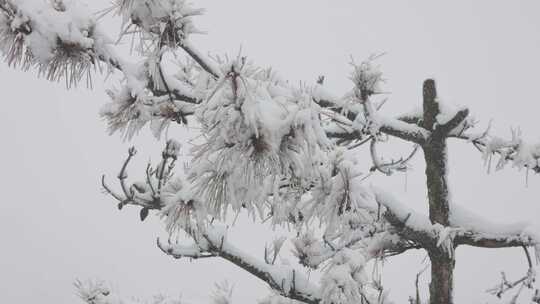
(442, 278)
(442, 263)
(435, 155)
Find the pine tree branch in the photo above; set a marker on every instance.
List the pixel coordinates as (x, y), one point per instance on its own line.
(299, 289)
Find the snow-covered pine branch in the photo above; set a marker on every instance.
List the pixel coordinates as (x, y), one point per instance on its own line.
(278, 152)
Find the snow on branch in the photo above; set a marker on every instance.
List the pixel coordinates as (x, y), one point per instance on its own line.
(441, 118)
(514, 151)
(408, 223)
(358, 108)
(63, 41)
(355, 231)
(213, 242)
(276, 151)
(59, 39)
(456, 123)
(480, 232)
(465, 229)
(367, 79)
(398, 127)
(260, 134)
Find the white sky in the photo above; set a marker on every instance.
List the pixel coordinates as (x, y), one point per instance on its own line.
(56, 226)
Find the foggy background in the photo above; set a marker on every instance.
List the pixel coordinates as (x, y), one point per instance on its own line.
(56, 225)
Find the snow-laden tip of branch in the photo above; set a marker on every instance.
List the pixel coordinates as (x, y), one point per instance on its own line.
(148, 94)
(59, 39)
(367, 79)
(514, 151)
(170, 21)
(97, 292)
(164, 25)
(93, 292)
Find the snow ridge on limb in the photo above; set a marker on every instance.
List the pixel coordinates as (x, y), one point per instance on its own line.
(284, 279)
(415, 227)
(480, 232)
(465, 228)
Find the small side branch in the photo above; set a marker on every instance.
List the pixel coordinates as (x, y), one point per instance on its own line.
(524, 282)
(390, 167)
(142, 194)
(514, 150)
(200, 59)
(454, 122)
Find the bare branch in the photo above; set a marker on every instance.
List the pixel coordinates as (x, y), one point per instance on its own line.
(130, 196)
(123, 174)
(526, 281)
(389, 168)
(107, 189)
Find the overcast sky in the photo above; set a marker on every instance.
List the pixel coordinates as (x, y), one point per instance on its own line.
(56, 225)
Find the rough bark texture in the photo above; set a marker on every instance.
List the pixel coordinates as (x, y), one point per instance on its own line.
(435, 154)
(442, 278)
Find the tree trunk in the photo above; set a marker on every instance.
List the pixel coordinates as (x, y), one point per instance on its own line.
(442, 283)
(442, 263)
(435, 155)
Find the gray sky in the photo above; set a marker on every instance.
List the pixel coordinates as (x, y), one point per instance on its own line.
(56, 226)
